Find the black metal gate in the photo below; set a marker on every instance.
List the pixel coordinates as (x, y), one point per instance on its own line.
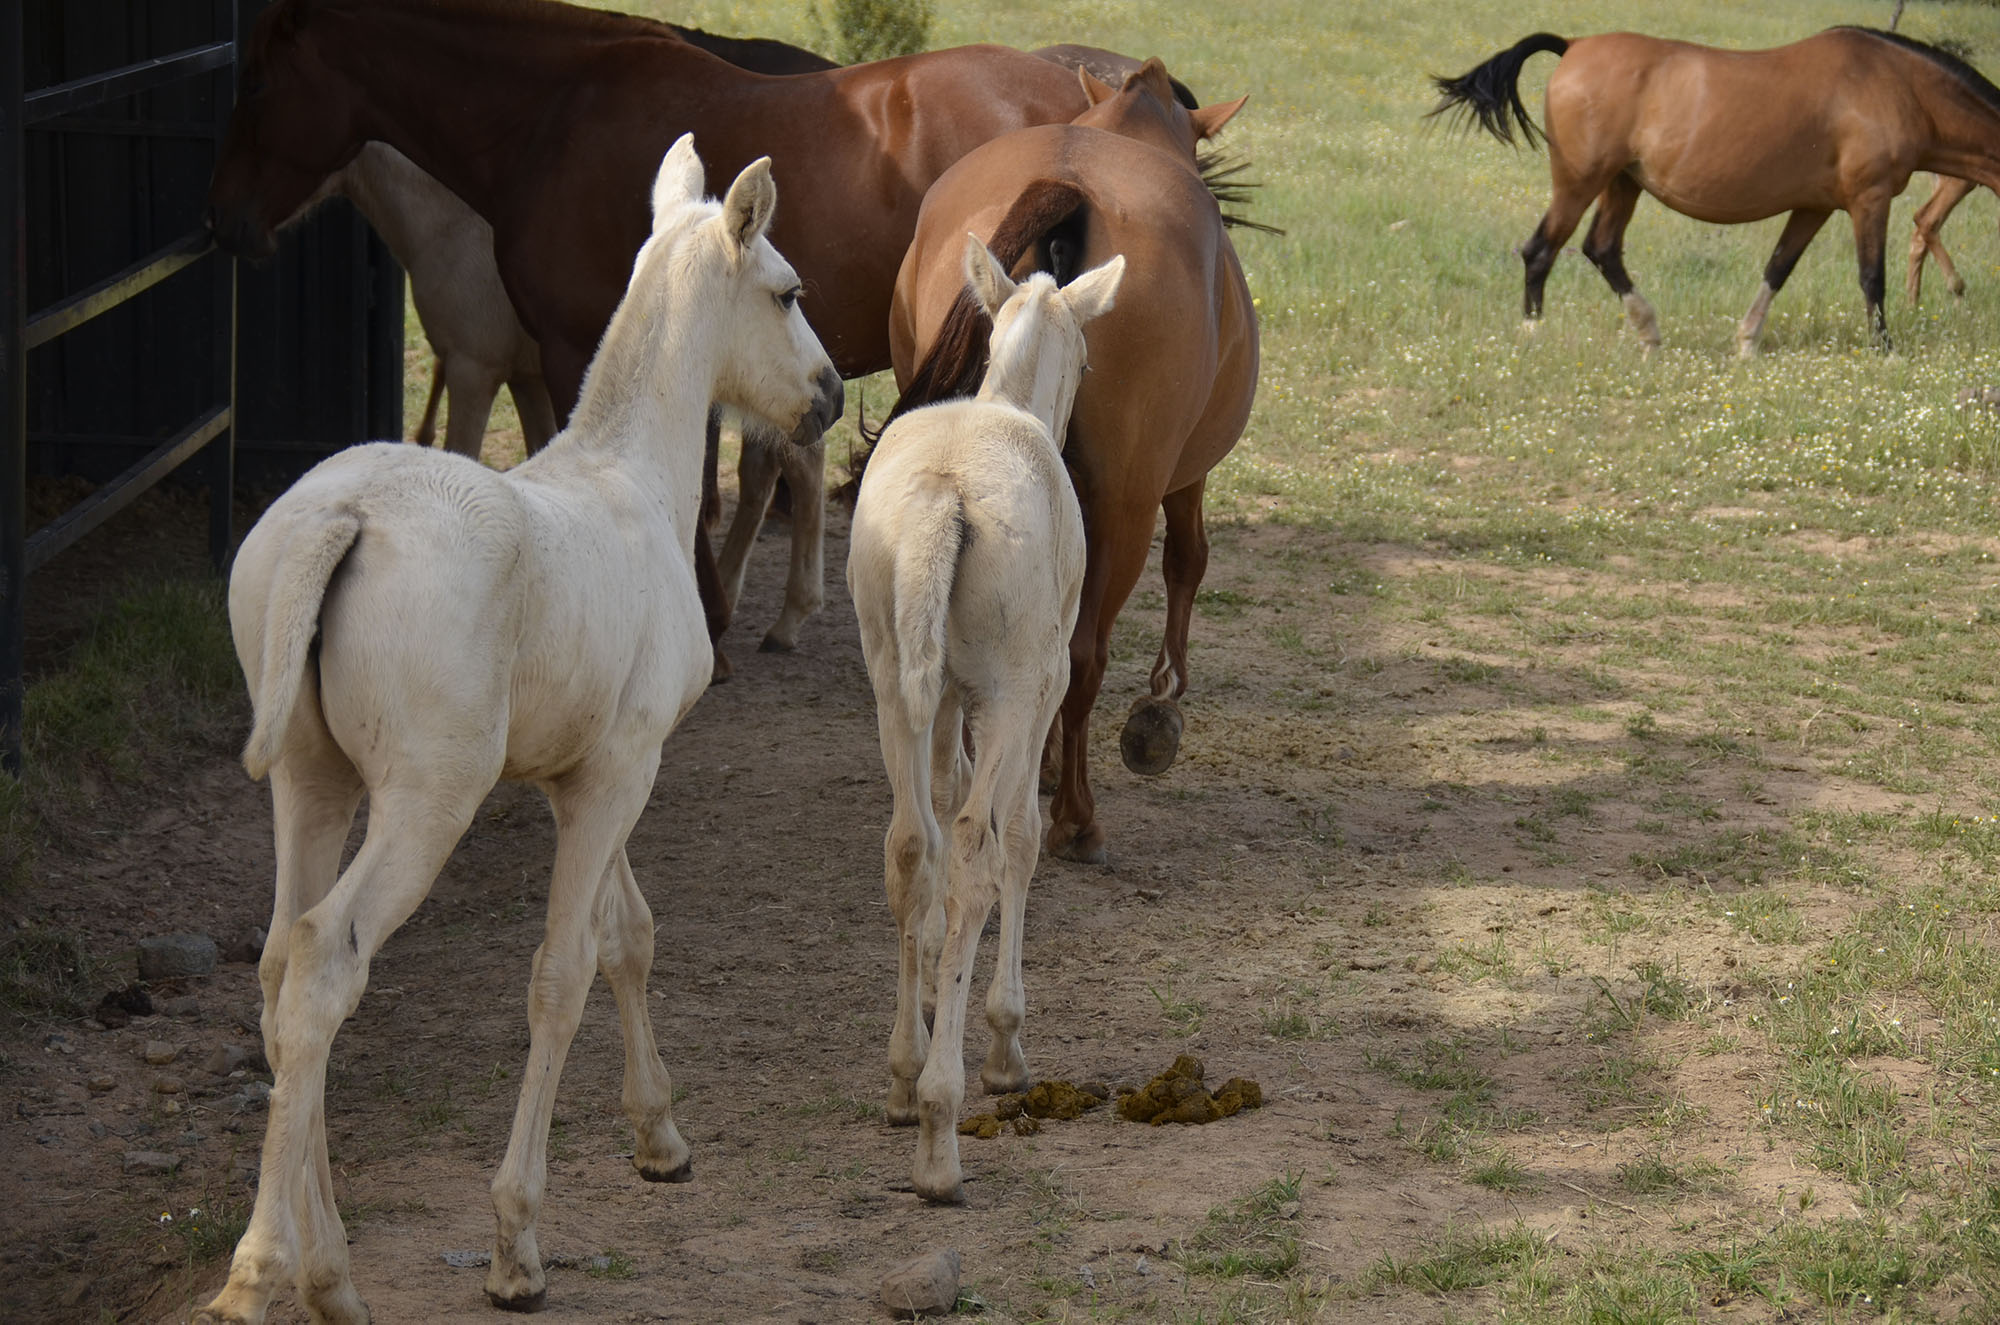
(120, 358)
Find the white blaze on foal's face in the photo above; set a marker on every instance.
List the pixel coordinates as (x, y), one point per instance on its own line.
(769, 362)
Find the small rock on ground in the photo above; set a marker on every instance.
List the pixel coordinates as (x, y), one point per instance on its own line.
(150, 1161)
(159, 1053)
(168, 956)
(926, 1286)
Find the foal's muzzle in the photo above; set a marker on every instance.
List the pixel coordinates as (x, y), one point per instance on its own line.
(829, 399)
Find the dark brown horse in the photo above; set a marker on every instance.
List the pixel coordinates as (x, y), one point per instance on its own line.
(1837, 122)
(548, 120)
(1172, 372)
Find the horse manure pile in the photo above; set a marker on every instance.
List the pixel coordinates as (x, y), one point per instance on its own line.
(1177, 1096)
(1174, 1096)
(1024, 1112)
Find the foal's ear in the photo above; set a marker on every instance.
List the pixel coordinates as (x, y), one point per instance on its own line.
(679, 181)
(1095, 89)
(1093, 293)
(991, 286)
(747, 211)
(1208, 121)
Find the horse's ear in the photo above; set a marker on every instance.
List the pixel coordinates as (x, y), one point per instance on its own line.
(747, 211)
(1208, 121)
(1094, 88)
(991, 286)
(679, 181)
(1153, 74)
(1092, 294)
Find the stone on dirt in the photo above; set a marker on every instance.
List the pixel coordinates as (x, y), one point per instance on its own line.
(150, 1161)
(228, 1058)
(926, 1286)
(170, 956)
(246, 947)
(159, 1053)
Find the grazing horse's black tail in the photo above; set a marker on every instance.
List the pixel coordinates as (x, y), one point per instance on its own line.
(1491, 94)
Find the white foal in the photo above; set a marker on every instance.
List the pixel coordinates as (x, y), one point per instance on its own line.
(965, 564)
(414, 627)
(447, 248)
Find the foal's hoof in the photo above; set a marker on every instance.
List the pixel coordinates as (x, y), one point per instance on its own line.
(532, 1302)
(1152, 736)
(723, 671)
(681, 1172)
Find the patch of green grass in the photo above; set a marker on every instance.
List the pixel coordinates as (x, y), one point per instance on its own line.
(610, 1264)
(1252, 1237)
(49, 972)
(1655, 1175)
(1458, 1261)
(1500, 1172)
(1183, 1013)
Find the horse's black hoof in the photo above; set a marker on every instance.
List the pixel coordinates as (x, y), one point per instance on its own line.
(1152, 736)
(684, 1172)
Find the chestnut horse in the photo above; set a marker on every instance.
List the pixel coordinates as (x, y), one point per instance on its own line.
(547, 119)
(1173, 367)
(1837, 122)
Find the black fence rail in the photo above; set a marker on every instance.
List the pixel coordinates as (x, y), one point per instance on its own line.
(207, 439)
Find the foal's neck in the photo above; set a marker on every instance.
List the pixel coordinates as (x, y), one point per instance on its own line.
(1032, 377)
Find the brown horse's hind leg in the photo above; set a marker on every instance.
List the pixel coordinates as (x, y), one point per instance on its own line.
(1152, 735)
(1538, 255)
(1798, 233)
(1605, 247)
(1120, 537)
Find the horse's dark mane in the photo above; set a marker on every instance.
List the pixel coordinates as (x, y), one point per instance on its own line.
(1971, 79)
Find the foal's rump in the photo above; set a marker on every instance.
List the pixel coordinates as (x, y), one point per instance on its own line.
(385, 560)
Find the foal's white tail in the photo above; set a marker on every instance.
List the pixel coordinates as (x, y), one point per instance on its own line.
(933, 533)
(291, 620)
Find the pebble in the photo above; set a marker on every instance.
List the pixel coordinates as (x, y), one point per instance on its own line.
(169, 1086)
(926, 1286)
(168, 956)
(150, 1161)
(159, 1053)
(229, 1058)
(101, 1083)
(248, 948)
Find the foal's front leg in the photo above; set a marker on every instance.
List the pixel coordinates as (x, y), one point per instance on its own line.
(595, 809)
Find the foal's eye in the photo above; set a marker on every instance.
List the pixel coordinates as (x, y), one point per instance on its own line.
(788, 298)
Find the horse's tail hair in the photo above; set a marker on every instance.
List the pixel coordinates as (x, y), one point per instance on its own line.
(291, 623)
(932, 536)
(956, 360)
(1491, 94)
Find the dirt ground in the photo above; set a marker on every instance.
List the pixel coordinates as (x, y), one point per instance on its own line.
(1281, 903)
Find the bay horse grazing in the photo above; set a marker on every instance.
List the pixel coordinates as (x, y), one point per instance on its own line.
(548, 119)
(1173, 368)
(1837, 122)
(1945, 197)
(965, 564)
(561, 644)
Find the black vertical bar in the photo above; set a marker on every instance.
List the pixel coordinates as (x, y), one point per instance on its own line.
(219, 464)
(13, 385)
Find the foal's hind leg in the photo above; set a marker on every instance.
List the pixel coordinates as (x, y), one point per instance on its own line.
(1799, 230)
(805, 582)
(1946, 195)
(756, 475)
(1605, 247)
(1152, 734)
(595, 808)
(625, 956)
